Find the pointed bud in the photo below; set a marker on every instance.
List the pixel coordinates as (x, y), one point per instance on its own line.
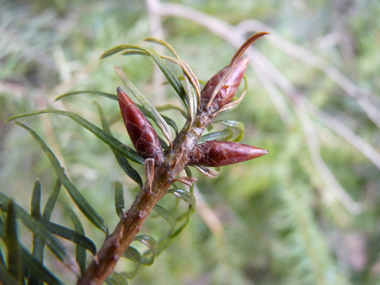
(144, 138)
(228, 89)
(221, 153)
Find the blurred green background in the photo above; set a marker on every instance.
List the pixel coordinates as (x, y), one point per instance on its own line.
(306, 213)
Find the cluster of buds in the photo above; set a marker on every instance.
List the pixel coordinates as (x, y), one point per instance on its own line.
(162, 167)
(216, 96)
(221, 153)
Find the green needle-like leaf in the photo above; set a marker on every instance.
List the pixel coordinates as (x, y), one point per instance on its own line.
(193, 105)
(156, 117)
(119, 199)
(71, 235)
(132, 254)
(186, 69)
(166, 215)
(78, 198)
(237, 125)
(135, 52)
(171, 107)
(224, 135)
(189, 74)
(38, 243)
(175, 83)
(170, 121)
(147, 241)
(189, 198)
(119, 48)
(183, 195)
(111, 141)
(80, 251)
(169, 74)
(123, 162)
(36, 200)
(104, 94)
(50, 204)
(150, 242)
(116, 279)
(163, 43)
(165, 242)
(12, 243)
(55, 246)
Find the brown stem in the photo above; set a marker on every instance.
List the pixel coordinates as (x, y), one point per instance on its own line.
(176, 159)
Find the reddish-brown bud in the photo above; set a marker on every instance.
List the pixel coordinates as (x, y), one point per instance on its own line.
(144, 138)
(228, 90)
(221, 153)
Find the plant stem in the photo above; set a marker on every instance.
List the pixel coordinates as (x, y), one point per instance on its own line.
(176, 159)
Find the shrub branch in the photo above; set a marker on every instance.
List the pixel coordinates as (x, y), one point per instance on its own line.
(175, 160)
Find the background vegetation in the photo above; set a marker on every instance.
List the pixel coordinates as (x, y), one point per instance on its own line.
(307, 213)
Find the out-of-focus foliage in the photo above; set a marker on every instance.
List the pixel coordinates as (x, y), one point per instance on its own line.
(275, 220)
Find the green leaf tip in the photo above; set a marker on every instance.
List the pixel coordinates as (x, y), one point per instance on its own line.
(119, 199)
(35, 207)
(12, 243)
(103, 94)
